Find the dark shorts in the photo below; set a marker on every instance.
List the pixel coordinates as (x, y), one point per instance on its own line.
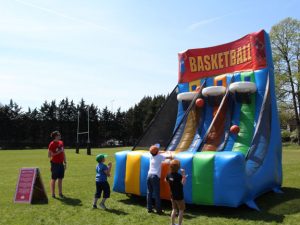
(178, 204)
(57, 171)
(102, 186)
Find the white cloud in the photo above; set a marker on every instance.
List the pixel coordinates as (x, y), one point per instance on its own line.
(203, 22)
(63, 15)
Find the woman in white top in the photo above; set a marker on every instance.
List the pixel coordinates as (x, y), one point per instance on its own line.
(153, 178)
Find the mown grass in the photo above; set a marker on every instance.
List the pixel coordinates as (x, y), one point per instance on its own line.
(79, 190)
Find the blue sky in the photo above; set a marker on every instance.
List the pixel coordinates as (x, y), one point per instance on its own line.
(112, 53)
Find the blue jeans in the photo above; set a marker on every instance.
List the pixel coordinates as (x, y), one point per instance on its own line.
(153, 191)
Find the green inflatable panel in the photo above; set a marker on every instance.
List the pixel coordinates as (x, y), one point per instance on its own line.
(243, 141)
(203, 178)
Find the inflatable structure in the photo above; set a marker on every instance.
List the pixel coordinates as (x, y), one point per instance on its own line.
(221, 122)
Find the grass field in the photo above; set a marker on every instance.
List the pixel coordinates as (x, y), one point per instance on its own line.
(79, 190)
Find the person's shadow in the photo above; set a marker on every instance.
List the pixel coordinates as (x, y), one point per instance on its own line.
(116, 211)
(70, 201)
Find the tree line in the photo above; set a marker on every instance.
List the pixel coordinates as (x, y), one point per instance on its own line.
(31, 129)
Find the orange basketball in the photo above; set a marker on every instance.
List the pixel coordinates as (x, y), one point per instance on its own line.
(235, 129)
(200, 102)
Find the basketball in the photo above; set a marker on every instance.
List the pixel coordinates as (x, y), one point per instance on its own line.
(235, 129)
(200, 102)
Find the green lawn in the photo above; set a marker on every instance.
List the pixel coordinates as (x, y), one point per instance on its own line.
(79, 189)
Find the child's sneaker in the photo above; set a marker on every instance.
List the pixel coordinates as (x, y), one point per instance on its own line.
(61, 196)
(95, 206)
(102, 206)
(160, 212)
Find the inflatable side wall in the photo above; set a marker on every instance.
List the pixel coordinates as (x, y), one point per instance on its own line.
(230, 144)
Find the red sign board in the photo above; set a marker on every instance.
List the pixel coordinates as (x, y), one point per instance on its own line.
(29, 184)
(247, 53)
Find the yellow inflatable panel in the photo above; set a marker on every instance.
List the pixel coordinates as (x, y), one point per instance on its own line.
(194, 83)
(189, 130)
(133, 168)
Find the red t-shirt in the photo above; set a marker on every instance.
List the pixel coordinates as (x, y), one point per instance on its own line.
(55, 146)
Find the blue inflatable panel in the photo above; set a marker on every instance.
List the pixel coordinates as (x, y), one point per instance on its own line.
(145, 161)
(119, 179)
(276, 144)
(269, 55)
(208, 111)
(235, 119)
(260, 81)
(266, 175)
(186, 162)
(260, 141)
(184, 87)
(270, 173)
(229, 179)
(229, 78)
(198, 139)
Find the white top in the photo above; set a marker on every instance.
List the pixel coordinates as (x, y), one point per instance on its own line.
(155, 164)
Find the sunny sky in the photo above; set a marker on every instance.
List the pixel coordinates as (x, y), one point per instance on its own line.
(112, 53)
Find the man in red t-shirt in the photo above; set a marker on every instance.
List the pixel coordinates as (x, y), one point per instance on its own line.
(58, 161)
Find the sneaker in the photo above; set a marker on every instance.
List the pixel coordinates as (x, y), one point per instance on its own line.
(150, 211)
(95, 206)
(160, 212)
(61, 196)
(53, 196)
(102, 206)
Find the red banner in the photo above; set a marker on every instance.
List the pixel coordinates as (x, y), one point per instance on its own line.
(25, 184)
(247, 53)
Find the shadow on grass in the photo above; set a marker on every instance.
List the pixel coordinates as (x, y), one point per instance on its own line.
(141, 201)
(40, 202)
(116, 211)
(134, 200)
(70, 201)
(274, 207)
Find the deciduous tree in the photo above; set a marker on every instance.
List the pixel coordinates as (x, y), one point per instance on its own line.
(285, 41)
